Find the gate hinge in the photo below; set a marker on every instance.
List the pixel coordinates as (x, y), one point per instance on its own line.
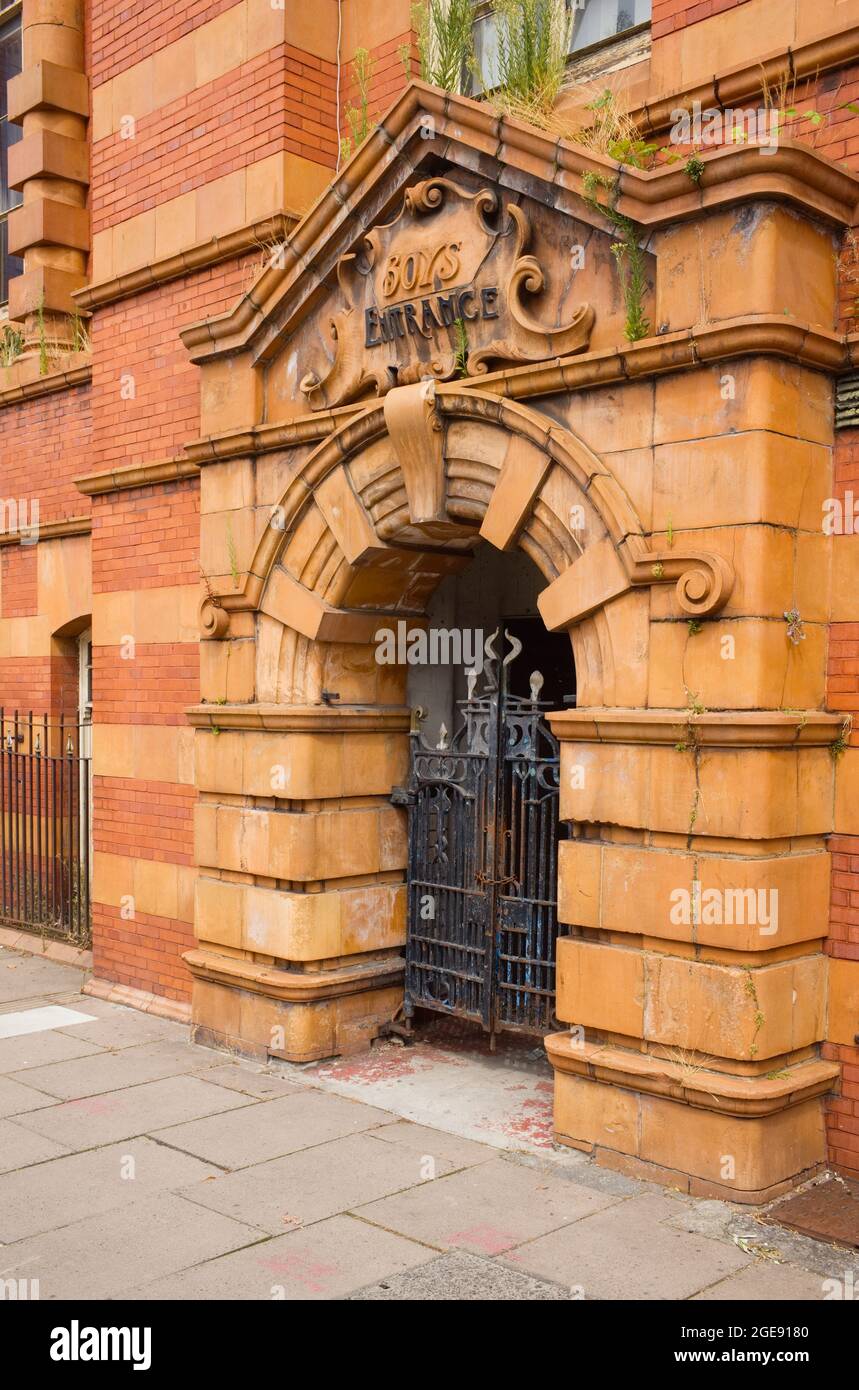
(402, 796)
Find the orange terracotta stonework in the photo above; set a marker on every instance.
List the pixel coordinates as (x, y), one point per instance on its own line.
(310, 390)
(352, 472)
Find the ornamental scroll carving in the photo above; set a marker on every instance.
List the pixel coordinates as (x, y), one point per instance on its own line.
(447, 289)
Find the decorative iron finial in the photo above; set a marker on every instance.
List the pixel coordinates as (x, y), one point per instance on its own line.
(442, 738)
(536, 685)
(515, 648)
(471, 681)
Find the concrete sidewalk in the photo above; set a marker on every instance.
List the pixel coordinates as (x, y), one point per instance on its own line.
(135, 1165)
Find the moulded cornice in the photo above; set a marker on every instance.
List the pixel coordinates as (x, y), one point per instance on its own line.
(518, 157)
(712, 729)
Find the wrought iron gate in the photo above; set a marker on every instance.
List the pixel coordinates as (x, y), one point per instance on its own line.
(45, 816)
(483, 833)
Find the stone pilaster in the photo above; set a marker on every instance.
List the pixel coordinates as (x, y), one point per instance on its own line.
(693, 978)
(50, 167)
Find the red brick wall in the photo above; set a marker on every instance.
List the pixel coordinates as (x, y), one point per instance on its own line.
(146, 538)
(44, 444)
(155, 686)
(669, 15)
(136, 345)
(43, 684)
(388, 77)
(280, 101)
(124, 32)
(18, 577)
(145, 954)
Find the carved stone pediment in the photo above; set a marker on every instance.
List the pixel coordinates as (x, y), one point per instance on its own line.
(448, 288)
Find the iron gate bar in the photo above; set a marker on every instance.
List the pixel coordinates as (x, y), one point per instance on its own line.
(45, 778)
(483, 832)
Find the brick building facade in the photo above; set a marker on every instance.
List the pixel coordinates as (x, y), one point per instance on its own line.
(168, 296)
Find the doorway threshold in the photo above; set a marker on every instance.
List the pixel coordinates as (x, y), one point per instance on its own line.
(449, 1079)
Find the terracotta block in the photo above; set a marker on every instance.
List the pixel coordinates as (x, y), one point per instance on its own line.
(747, 1155)
(350, 523)
(597, 577)
(740, 1013)
(591, 1113)
(600, 987)
(740, 793)
(303, 182)
(60, 44)
(228, 671)
(174, 70)
(230, 395)
(101, 120)
(776, 672)
(746, 904)
(47, 86)
(268, 25)
(517, 486)
(756, 393)
(175, 226)
(134, 92)
(220, 207)
(788, 265)
(300, 847)
(252, 1025)
(264, 188)
(102, 255)
(69, 13)
(748, 1158)
(43, 154)
(757, 476)
(825, 17)
(301, 926)
(45, 288)
(48, 222)
(845, 578)
(221, 44)
(843, 1025)
(167, 614)
(847, 793)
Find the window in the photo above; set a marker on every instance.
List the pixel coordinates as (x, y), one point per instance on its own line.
(593, 22)
(10, 66)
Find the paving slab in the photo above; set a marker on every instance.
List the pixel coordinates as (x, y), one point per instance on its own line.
(41, 1049)
(326, 1261)
(16, 1023)
(110, 1071)
(105, 1119)
(315, 1183)
(464, 1278)
(19, 1147)
(435, 1144)
(487, 1209)
(766, 1282)
(16, 1097)
(128, 1028)
(109, 1253)
(272, 1128)
(247, 1079)
(76, 1186)
(24, 977)
(628, 1252)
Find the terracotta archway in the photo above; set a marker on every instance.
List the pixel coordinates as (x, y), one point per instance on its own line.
(665, 488)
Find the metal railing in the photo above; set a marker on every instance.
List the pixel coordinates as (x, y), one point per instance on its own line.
(45, 825)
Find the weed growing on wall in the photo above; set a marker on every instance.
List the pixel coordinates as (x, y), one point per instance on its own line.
(358, 117)
(445, 32)
(627, 251)
(533, 43)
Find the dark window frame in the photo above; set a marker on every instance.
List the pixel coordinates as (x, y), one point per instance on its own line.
(10, 20)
